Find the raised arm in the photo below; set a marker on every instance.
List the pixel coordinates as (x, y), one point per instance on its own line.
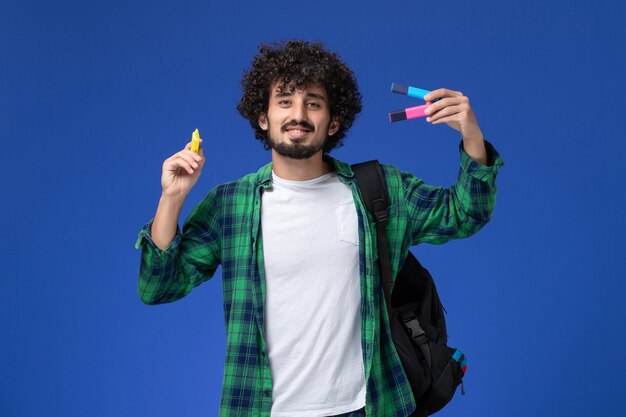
(438, 214)
(173, 263)
(454, 109)
(180, 173)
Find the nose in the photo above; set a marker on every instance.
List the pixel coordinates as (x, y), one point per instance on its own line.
(299, 111)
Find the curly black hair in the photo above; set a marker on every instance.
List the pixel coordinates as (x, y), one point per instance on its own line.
(300, 64)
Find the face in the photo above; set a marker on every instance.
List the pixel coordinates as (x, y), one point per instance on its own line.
(298, 121)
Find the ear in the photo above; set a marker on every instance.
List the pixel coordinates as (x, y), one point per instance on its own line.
(334, 127)
(263, 121)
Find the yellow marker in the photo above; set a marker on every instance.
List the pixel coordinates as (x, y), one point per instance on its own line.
(195, 141)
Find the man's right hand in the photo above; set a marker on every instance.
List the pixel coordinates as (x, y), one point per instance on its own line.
(181, 172)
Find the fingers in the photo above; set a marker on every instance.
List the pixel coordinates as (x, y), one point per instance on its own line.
(186, 159)
(442, 93)
(447, 107)
(175, 164)
(449, 114)
(199, 157)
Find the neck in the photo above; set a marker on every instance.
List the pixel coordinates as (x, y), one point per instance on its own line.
(300, 169)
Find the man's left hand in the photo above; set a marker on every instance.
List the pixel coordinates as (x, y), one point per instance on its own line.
(455, 110)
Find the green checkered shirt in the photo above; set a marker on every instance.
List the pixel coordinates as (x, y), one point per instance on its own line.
(224, 228)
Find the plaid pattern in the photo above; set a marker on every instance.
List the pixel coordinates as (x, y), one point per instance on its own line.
(225, 228)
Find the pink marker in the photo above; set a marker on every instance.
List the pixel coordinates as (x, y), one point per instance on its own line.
(410, 113)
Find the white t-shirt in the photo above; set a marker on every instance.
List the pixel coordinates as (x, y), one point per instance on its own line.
(313, 297)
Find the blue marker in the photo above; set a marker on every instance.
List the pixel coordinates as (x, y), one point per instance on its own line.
(407, 90)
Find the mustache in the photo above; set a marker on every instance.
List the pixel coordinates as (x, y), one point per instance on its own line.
(295, 123)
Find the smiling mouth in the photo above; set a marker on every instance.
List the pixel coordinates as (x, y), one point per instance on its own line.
(296, 132)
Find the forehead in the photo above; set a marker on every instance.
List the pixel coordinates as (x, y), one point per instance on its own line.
(280, 87)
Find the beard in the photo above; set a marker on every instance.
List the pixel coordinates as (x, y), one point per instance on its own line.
(294, 150)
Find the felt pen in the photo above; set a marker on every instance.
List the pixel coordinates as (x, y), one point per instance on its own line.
(407, 90)
(195, 141)
(409, 113)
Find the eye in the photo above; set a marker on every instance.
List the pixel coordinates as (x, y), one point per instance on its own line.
(314, 105)
(283, 102)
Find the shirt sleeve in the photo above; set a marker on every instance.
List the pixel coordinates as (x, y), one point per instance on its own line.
(438, 214)
(190, 259)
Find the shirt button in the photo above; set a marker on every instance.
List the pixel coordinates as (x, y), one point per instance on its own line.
(267, 393)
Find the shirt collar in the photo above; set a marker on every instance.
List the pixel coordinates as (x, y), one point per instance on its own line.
(264, 174)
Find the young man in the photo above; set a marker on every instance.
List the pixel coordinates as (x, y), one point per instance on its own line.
(307, 331)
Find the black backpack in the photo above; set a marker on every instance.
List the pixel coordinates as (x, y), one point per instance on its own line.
(416, 316)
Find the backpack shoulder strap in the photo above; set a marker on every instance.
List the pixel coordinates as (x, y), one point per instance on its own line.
(371, 181)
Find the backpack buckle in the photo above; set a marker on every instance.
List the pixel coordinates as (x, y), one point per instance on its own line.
(413, 325)
(380, 211)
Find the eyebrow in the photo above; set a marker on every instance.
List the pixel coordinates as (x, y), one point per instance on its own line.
(287, 93)
(315, 95)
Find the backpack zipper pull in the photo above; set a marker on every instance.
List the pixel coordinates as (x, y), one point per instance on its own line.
(462, 388)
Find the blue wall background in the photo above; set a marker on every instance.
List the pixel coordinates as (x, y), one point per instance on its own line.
(94, 95)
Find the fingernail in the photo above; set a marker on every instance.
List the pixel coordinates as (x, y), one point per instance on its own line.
(428, 119)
